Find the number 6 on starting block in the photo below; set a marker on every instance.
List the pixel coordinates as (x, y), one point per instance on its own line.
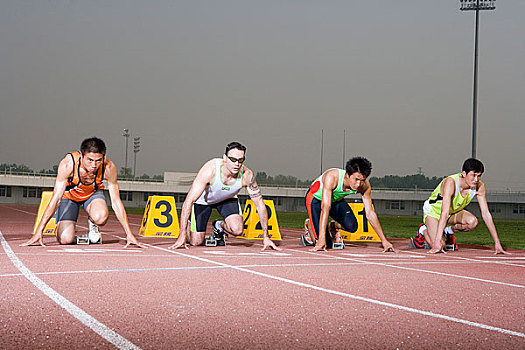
(160, 218)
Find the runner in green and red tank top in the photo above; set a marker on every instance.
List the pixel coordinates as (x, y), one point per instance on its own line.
(325, 197)
(446, 204)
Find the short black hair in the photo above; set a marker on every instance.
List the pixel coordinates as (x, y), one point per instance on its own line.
(234, 144)
(474, 165)
(359, 165)
(93, 145)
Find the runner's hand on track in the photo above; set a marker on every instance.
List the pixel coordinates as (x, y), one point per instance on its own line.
(437, 251)
(132, 240)
(318, 246)
(36, 238)
(498, 249)
(180, 242)
(268, 243)
(388, 247)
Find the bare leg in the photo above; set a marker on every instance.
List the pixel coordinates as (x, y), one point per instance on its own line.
(431, 231)
(463, 221)
(66, 232)
(98, 211)
(233, 225)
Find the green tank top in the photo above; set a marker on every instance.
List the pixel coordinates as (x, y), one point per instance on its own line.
(338, 194)
(458, 201)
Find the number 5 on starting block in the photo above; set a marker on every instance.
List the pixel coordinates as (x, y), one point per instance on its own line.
(252, 224)
(51, 226)
(160, 218)
(365, 232)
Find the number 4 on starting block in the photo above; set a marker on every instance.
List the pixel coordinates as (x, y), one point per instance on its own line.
(160, 218)
(51, 226)
(252, 224)
(365, 232)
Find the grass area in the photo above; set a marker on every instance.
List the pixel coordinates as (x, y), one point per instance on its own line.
(511, 232)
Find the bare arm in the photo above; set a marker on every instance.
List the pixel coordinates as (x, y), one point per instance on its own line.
(256, 196)
(330, 180)
(203, 178)
(371, 216)
(110, 174)
(487, 218)
(447, 190)
(65, 169)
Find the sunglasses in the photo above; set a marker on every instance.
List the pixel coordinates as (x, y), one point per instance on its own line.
(233, 159)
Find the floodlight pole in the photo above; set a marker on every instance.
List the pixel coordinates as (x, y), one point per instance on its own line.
(136, 149)
(470, 5)
(322, 150)
(126, 134)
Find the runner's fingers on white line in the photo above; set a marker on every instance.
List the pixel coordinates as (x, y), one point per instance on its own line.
(502, 252)
(135, 243)
(271, 245)
(316, 248)
(178, 245)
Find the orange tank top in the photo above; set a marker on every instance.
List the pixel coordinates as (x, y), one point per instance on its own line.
(78, 191)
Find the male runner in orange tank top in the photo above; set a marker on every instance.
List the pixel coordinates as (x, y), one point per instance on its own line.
(79, 182)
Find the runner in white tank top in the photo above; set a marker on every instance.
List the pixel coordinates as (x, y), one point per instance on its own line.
(217, 191)
(216, 186)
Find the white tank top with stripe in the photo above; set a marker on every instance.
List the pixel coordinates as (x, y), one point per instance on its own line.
(217, 191)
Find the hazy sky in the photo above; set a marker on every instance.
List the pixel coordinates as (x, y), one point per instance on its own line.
(190, 76)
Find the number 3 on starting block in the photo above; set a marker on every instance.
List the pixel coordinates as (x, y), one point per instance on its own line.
(160, 218)
(252, 224)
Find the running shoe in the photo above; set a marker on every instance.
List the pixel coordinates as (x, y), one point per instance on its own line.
(218, 234)
(418, 241)
(450, 243)
(94, 233)
(305, 240)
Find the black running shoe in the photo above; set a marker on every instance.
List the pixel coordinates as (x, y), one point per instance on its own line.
(218, 234)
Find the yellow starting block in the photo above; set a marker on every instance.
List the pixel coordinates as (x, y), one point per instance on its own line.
(160, 218)
(50, 229)
(365, 232)
(252, 224)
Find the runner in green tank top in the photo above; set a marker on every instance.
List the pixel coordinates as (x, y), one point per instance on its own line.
(446, 204)
(325, 198)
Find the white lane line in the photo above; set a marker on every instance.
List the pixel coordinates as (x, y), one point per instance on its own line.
(89, 321)
(177, 268)
(414, 269)
(451, 256)
(347, 295)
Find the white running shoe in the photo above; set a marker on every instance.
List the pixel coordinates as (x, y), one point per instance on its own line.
(94, 232)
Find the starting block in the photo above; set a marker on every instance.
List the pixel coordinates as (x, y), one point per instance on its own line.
(84, 239)
(338, 245)
(252, 228)
(211, 241)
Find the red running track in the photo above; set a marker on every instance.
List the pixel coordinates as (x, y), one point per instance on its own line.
(237, 297)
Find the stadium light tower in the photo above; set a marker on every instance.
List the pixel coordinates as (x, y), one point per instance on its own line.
(136, 149)
(476, 5)
(126, 134)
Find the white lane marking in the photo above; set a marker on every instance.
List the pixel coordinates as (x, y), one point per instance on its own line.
(451, 256)
(414, 269)
(224, 253)
(347, 295)
(88, 250)
(383, 256)
(501, 257)
(89, 321)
